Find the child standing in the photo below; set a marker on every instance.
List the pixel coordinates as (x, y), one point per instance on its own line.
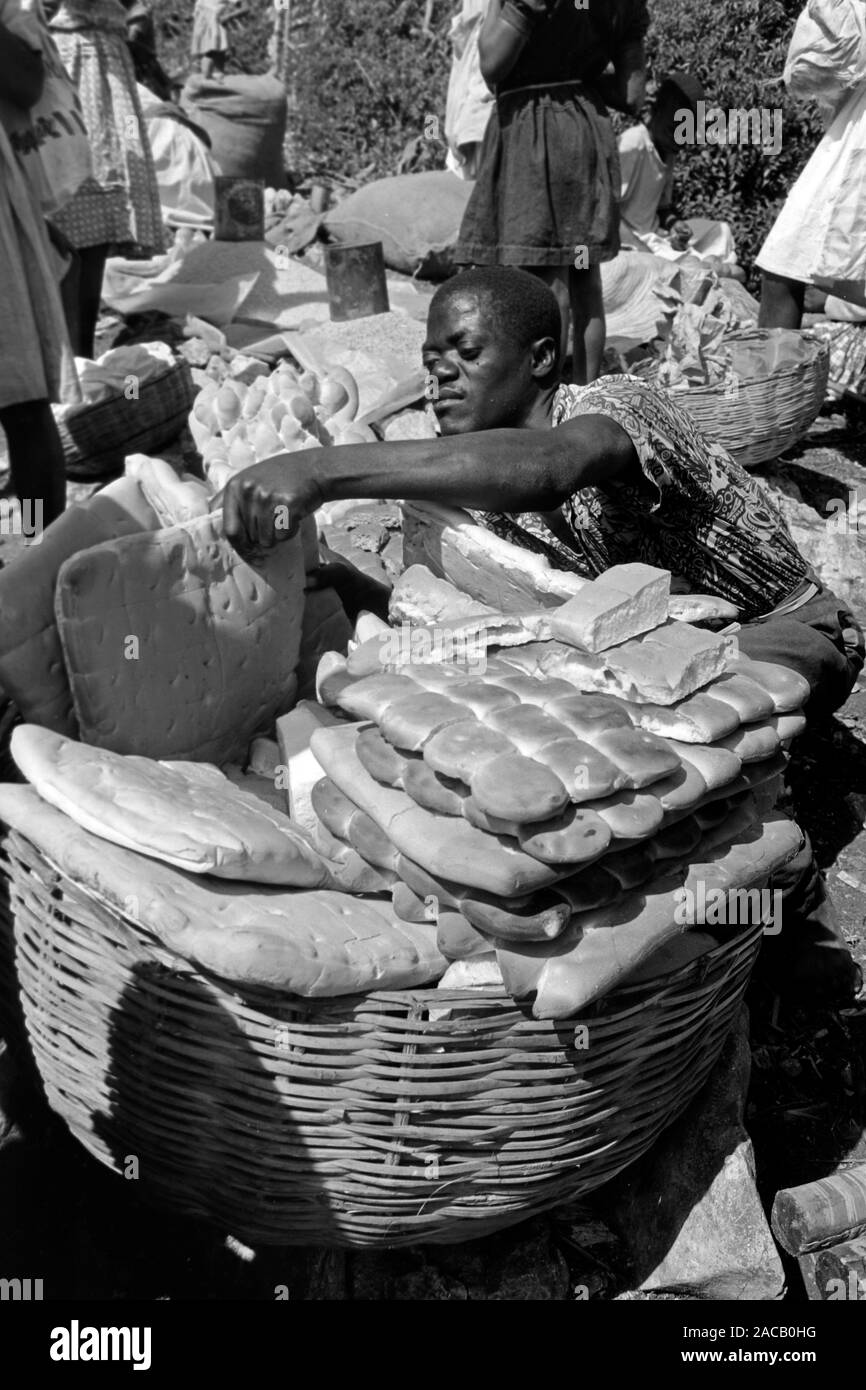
(547, 194)
(210, 39)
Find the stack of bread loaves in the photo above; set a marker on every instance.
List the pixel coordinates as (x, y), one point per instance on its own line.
(564, 803)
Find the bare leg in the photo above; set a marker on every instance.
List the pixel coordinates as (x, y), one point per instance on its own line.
(35, 460)
(206, 64)
(781, 302)
(590, 330)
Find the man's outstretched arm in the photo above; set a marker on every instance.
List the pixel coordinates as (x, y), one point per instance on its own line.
(498, 470)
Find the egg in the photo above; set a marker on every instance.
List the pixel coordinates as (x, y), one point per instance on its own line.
(227, 407)
(333, 396)
(254, 399)
(240, 454)
(290, 433)
(239, 431)
(201, 432)
(309, 384)
(302, 409)
(265, 440)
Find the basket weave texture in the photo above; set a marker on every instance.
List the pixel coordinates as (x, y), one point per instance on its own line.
(97, 438)
(351, 1122)
(764, 416)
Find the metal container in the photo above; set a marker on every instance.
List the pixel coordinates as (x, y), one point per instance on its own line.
(356, 280)
(240, 209)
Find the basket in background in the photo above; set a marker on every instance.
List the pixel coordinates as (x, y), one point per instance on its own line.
(96, 438)
(767, 413)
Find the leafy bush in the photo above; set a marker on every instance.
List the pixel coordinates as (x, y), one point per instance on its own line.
(737, 49)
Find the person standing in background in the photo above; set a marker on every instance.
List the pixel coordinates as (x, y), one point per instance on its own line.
(119, 206)
(210, 37)
(547, 194)
(36, 363)
(470, 100)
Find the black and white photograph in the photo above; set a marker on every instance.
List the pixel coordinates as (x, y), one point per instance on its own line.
(432, 694)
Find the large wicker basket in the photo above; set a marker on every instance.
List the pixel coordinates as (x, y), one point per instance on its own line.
(765, 414)
(361, 1121)
(97, 438)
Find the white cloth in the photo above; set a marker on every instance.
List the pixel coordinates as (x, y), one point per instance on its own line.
(819, 236)
(470, 101)
(646, 179)
(646, 186)
(184, 168)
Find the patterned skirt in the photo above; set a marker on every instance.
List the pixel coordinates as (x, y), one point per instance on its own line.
(120, 205)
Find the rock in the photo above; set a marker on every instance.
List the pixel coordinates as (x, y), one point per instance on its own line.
(689, 1211)
(521, 1264)
(831, 543)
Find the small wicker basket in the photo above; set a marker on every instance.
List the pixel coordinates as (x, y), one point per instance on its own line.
(97, 438)
(366, 1121)
(762, 416)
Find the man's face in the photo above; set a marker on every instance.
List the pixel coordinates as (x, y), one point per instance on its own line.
(478, 379)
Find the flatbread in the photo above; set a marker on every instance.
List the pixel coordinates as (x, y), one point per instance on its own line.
(186, 814)
(312, 944)
(175, 647)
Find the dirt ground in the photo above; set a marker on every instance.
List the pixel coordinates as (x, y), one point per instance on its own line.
(85, 1233)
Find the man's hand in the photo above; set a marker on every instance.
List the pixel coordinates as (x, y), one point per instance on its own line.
(265, 504)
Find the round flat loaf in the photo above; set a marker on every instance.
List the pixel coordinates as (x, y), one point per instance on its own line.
(592, 887)
(631, 815)
(409, 723)
(788, 726)
(371, 842)
(378, 757)
(788, 689)
(527, 689)
(641, 757)
(528, 727)
(457, 939)
(681, 790)
(429, 790)
(750, 700)
(430, 675)
(494, 825)
(753, 742)
(716, 765)
(482, 697)
(187, 814)
(585, 773)
(370, 697)
(409, 907)
(518, 789)
(588, 715)
(578, 835)
(461, 749)
(631, 867)
(678, 841)
(333, 809)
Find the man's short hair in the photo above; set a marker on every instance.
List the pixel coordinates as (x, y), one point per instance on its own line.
(520, 304)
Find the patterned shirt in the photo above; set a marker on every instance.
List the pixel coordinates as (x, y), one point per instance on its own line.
(695, 511)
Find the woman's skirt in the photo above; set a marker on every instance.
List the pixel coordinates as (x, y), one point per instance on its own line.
(120, 205)
(548, 185)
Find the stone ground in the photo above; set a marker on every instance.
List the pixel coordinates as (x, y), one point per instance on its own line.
(84, 1232)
